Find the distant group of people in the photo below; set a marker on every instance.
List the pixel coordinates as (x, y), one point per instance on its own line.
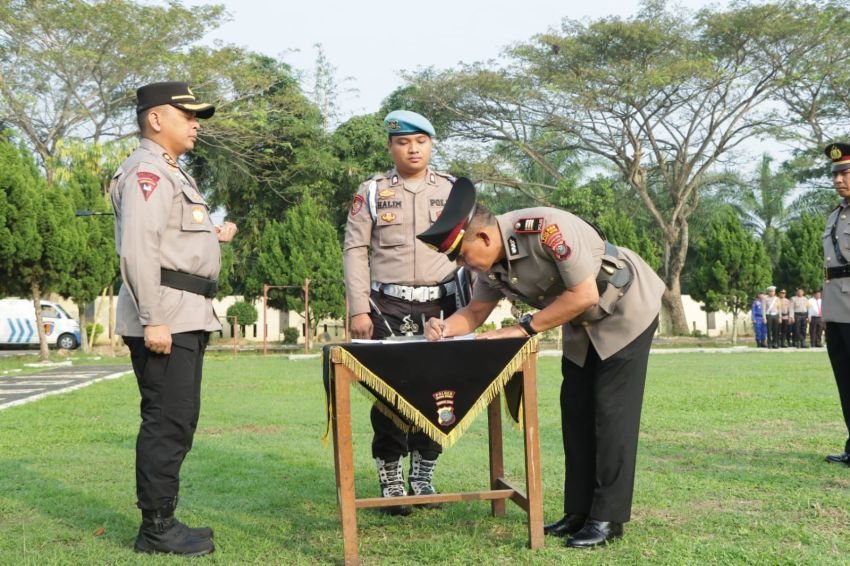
(780, 322)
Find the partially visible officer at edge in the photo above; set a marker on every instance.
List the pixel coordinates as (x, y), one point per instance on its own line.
(170, 259)
(607, 301)
(836, 287)
(403, 282)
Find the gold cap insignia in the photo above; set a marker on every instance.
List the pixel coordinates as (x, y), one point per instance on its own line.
(393, 125)
(834, 153)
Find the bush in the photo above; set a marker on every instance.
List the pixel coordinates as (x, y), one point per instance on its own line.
(245, 313)
(98, 330)
(290, 335)
(510, 321)
(487, 326)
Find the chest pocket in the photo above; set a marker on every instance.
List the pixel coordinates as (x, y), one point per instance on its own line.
(195, 214)
(390, 224)
(435, 213)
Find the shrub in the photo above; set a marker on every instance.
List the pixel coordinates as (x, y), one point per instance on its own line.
(290, 335)
(245, 313)
(98, 330)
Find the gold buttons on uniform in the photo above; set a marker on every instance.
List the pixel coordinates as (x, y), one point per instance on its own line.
(585, 323)
(492, 277)
(514, 280)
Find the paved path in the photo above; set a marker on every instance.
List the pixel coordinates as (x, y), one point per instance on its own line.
(20, 389)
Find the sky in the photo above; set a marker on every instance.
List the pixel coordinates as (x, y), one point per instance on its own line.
(372, 42)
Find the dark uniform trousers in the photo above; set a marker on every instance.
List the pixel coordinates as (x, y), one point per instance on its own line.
(170, 386)
(390, 442)
(838, 349)
(816, 331)
(600, 419)
(773, 329)
(801, 323)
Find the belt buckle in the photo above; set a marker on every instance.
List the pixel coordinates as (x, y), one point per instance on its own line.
(420, 294)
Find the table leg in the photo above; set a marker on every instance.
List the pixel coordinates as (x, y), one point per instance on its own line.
(497, 460)
(533, 477)
(344, 462)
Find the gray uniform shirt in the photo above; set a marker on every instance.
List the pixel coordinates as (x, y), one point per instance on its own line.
(397, 255)
(836, 292)
(550, 250)
(161, 220)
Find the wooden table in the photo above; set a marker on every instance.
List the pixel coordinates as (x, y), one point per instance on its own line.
(531, 501)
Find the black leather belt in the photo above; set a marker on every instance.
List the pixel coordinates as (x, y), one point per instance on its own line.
(838, 272)
(188, 282)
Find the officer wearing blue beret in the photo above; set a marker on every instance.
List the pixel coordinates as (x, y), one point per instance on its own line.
(394, 282)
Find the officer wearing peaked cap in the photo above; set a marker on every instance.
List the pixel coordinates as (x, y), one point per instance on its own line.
(393, 282)
(170, 260)
(836, 287)
(606, 299)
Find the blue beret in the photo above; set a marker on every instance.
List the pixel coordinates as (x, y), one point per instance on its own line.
(405, 122)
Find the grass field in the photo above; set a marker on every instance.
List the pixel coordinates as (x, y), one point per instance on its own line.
(730, 471)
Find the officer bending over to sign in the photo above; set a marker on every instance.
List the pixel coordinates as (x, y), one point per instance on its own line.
(607, 301)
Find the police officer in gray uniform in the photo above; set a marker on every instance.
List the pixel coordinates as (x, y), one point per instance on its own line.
(836, 287)
(403, 282)
(607, 301)
(170, 260)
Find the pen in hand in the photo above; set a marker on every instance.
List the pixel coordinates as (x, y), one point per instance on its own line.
(442, 324)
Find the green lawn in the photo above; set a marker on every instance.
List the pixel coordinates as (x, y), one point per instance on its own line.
(730, 471)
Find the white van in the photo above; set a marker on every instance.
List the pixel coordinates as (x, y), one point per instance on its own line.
(18, 324)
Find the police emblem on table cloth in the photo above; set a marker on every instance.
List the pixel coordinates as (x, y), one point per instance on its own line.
(147, 182)
(552, 238)
(356, 205)
(445, 407)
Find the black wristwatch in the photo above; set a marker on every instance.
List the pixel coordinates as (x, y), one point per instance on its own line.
(525, 323)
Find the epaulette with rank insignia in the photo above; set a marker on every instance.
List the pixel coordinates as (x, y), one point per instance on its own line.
(451, 178)
(529, 225)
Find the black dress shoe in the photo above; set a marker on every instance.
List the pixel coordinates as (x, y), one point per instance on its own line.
(595, 533)
(569, 524)
(839, 458)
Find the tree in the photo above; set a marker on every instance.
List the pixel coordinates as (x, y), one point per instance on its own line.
(303, 246)
(71, 68)
(801, 264)
(731, 265)
(83, 171)
(662, 97)
(43, 240)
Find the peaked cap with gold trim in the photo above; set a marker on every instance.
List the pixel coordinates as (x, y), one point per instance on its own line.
(446, 234)
(839, 153)
(176, 94)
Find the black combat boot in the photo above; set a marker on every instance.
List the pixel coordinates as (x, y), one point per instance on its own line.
(161, 532)
(421, 477)
(391, 478)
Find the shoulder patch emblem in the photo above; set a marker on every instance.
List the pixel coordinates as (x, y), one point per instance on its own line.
(554, 240)
(147, 182)
(528, 225)
(356, 205)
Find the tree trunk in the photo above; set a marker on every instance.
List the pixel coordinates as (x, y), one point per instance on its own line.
(84, 343)
(672, 301)
(44, 353)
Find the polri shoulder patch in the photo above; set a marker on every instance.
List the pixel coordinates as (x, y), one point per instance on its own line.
(554, 240)
(356, 205)
(529, 225)
(147, 182)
